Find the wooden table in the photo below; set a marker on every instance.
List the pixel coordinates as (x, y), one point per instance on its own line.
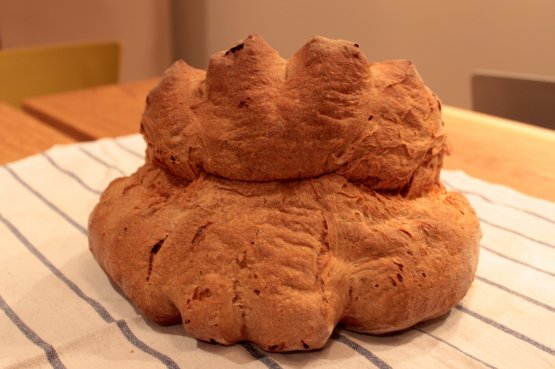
(23, 135)
(494, 149)
(502, 151)
(107, 111)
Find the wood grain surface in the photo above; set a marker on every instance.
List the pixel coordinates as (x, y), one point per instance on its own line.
(88, 114)
(23, 135)
(501, 151)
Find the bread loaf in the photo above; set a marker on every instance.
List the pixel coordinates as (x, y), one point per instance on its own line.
(282, 197)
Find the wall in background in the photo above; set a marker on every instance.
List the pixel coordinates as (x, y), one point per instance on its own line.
(143, 27)
(446, 40)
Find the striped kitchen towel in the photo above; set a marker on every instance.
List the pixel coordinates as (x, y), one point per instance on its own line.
(60, 310)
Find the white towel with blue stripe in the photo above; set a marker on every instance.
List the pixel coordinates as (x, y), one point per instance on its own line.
(59, 309)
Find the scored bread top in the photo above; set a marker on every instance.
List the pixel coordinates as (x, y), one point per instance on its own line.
(254, 116)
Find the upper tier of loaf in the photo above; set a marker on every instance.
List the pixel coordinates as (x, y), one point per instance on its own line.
(254, 116)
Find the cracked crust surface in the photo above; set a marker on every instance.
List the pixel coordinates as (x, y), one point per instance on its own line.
(255, 117)
(279, 198)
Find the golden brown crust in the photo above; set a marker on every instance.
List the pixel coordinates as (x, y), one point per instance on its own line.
(256, 117)
(271, 207)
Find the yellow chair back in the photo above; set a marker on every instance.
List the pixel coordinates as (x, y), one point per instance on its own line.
(26, 72)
